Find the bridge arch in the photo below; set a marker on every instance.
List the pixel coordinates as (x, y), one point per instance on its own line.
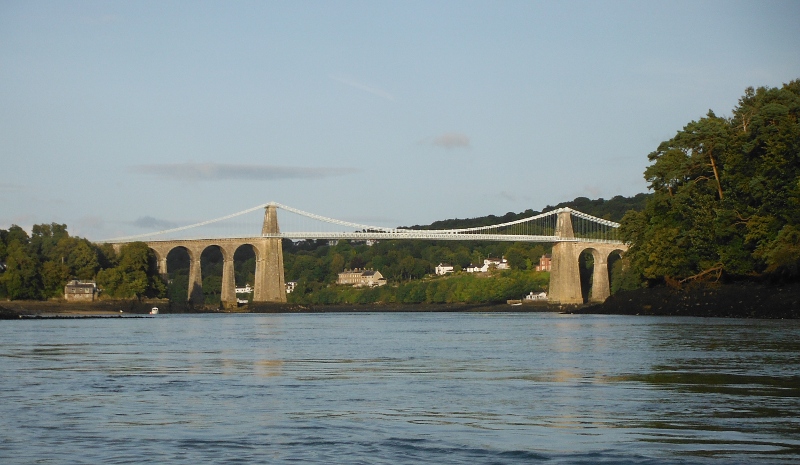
(565, 276)
(245, 257)
(268, 274)
(596, 282)
(175, 272)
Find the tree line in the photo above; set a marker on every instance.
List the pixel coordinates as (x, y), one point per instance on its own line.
(39, 265)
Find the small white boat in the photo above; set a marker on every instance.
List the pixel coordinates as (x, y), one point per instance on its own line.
(154, 311)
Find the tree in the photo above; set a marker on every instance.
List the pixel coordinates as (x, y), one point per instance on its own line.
(21, 278)
(136, 275)
(726, 194)
(82, 260)
(45, 239)
(54, 277)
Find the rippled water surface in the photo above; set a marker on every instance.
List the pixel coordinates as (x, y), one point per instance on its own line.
(399, 388)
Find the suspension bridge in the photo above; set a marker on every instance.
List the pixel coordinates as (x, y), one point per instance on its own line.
(572, 232)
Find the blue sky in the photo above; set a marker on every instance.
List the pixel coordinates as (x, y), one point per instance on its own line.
(118, 115)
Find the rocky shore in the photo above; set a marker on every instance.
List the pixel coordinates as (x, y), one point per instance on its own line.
(485, 307)
(733, 300)
(15, 309)
(115, 308)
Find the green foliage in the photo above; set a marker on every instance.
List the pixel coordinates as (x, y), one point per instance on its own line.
(624, 277)
(211, 262)
(783, 254)
(460, 288)
(136, 274)
(40, 265)
(21, 279)
(726, 195)
(54, 277)
(82, 259)
(178, 287)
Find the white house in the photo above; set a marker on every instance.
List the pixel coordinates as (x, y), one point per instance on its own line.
(244, 290)
(473, 268)
(290, 285)
(540, 296)
(500, 264)
(247, 289)
(444, 268)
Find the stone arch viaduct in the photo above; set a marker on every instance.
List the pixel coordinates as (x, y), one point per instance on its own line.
(269, 285)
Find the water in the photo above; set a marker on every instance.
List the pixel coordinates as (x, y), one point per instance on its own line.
(395, 388)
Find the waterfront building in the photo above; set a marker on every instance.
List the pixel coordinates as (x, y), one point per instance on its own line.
(80, 291)
(536, 296)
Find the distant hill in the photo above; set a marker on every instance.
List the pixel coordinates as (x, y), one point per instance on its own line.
(612, 209)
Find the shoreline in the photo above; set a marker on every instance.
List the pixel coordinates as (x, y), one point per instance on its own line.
(17, 309)
(746, 299)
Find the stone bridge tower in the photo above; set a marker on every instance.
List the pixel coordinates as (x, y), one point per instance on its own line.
(565, 277)
(270, 284)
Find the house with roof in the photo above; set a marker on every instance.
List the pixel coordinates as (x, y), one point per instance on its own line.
(247, 289)
(444, 268)
(536, 297)
(501, 264)
(359, 278)
(80, 291)
(545, 263)
(488, 263)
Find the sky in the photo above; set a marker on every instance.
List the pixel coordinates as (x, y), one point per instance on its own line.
(116, 117)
